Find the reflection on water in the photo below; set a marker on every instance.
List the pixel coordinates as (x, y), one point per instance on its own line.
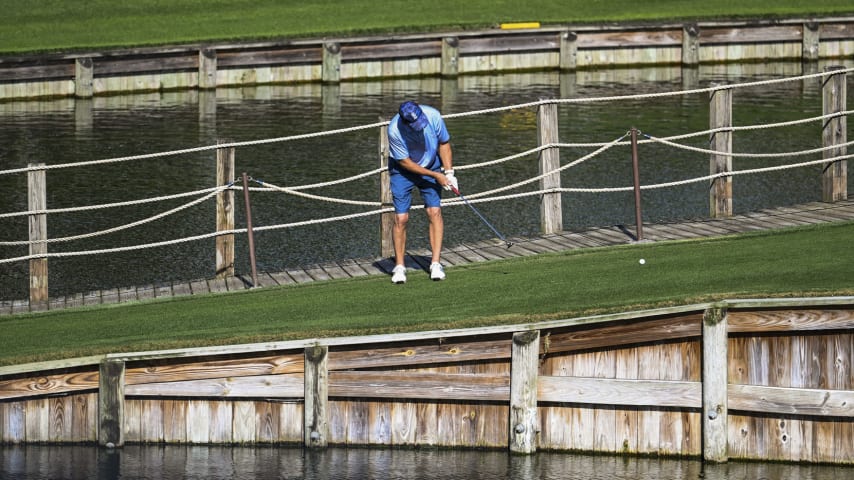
(68, 130)
(241, 463)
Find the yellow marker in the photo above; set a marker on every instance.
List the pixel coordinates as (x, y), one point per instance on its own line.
(513, 26)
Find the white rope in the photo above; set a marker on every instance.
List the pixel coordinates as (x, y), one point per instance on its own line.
(649, 95)
(455, 115)
(707, 177)
(453, 202)
(121, 249)
(557, 170)
(338, 182)
(115, 229)
(748, 155)
(291, 191)
(198, 237)
(117, 204)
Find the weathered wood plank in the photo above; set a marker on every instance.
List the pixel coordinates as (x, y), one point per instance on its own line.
(134, 65)
(634, 39)
(43, 71)
(48, 384)
(388, 51)
(792, 401)
(790, 320)
(174, 421)
(419, 354)
(334, 271)
(763, 34)
(261, 386)
(198, 418)
(132, 421)
(605, 391)
(412, 385)
(591, 337)
(84, 419)
(300, 275)
(267, 365)
(151, 420)
(227, 59)
(508, 44)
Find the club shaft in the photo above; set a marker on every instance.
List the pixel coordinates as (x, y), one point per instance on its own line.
(485, 221)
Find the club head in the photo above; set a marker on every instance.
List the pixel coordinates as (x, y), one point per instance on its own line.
(509, 244)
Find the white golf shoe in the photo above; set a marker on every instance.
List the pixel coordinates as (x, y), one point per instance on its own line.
(398, 275)
(437, 272)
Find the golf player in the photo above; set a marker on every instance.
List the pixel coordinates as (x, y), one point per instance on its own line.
(420, 157)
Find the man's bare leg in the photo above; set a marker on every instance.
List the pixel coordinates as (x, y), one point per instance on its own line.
(437, 232)
(399, 237)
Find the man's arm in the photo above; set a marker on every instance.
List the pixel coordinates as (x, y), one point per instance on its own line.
(413, 167)
(446, 156)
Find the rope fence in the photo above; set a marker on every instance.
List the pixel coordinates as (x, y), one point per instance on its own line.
(833, 152)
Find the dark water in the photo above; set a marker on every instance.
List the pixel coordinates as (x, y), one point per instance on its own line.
(203, 463)
(64, 131)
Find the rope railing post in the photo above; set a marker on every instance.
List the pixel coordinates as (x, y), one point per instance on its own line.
(636, 177)
(690, 45)
(551, 212)
(225, 212)
(720, 122)
(207, 68)
(331, 66)
(450, 57)
(249, 231)
(37, 201)
(834, 132)
(386, 219)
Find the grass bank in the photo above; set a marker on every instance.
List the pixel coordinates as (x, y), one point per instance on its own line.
(805, 261)
(51, 25)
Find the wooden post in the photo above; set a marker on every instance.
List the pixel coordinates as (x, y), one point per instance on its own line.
(83, 77)
(568, 51)
(386, 219)
(720, 117)
(316, 408)
(37, 201)
(524, 422)
(690, 45)
(715, 385)
(225, 212)
(450, 56)
(551, 215)
(835, 132)
(331, 69)
(810, 42)
(111, 403)
(207, 68)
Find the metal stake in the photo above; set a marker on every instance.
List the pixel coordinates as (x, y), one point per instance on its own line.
(249, 230)
(638, 220)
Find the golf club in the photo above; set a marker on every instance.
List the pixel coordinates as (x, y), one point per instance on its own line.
(503, 239)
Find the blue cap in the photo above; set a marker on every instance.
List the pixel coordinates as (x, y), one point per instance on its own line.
(412, 115)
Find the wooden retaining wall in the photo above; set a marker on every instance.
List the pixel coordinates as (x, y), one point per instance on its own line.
(449, 54)
(748, 379)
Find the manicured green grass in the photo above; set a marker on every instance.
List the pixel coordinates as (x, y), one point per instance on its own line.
(793, 262)
(46, 25)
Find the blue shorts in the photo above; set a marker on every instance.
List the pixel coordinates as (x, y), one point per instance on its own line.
(401, 191)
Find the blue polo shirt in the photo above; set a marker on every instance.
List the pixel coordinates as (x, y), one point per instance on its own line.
(422, 147)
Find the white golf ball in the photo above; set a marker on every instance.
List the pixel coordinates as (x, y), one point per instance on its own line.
(641, 261)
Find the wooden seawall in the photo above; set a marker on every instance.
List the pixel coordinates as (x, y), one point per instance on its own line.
(748, 379)
(449, 54)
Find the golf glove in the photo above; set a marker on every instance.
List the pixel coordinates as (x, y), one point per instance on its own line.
(452, 180)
